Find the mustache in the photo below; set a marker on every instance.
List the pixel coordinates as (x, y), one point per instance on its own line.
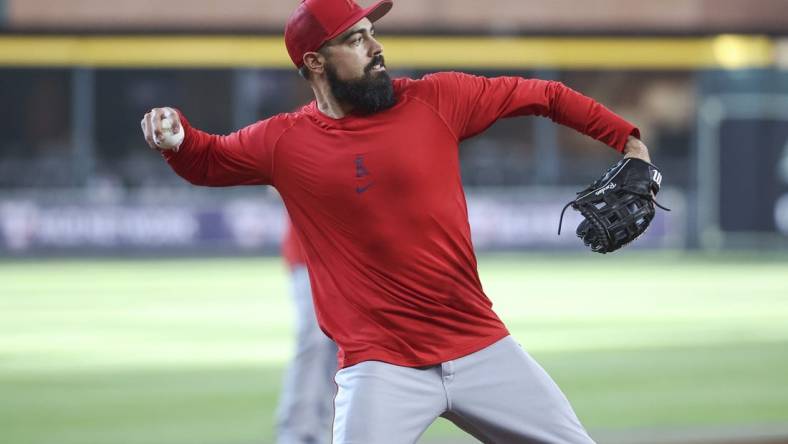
(378, 59)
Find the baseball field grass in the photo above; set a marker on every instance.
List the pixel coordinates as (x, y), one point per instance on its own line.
(193, 351)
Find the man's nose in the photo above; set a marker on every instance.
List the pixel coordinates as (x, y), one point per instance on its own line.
(376, 48)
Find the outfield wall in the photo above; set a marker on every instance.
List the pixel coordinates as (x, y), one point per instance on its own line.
(713, 110)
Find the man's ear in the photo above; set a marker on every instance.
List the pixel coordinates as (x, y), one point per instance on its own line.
(315, 62)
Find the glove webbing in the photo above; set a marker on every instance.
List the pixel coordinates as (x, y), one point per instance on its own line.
(595, 221)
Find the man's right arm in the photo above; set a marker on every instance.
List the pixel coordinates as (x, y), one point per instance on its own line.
(241, 158)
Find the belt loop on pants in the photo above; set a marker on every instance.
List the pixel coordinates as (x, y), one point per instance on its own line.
(447, 371)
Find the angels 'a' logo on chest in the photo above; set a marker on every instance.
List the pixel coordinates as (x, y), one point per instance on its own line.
(363, 180)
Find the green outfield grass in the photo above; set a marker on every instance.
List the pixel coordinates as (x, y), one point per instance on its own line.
(192, 351)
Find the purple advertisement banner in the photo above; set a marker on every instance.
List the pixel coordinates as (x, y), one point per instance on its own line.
(500, 220)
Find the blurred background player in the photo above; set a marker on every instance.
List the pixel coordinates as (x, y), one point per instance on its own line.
(305, 405)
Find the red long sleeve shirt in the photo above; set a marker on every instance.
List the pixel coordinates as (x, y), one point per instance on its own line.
(378, 205)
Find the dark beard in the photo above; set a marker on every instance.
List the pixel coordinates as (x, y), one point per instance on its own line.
(372, 93)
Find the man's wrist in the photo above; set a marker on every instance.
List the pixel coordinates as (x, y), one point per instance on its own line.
(636, 149)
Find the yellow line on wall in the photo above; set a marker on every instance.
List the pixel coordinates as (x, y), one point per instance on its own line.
(143, 51)
(593, 53)
(723, 51)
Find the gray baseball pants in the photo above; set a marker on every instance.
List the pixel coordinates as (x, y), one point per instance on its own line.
(305, 411)
(498, 394)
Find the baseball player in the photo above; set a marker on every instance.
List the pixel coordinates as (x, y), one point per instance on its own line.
(369, 174)
(305, 406)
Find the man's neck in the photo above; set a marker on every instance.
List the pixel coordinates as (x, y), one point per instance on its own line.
(328, 104)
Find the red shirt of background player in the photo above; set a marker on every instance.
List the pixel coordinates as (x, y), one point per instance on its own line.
(291, 248)
(378, 205)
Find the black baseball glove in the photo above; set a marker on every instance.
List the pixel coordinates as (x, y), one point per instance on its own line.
(617, 207)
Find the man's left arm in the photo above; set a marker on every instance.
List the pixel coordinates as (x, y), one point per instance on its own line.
(471, 104)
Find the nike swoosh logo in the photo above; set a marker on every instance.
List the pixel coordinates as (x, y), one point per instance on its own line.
(363, 189)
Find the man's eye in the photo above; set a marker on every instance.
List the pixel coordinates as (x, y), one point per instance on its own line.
(357, 41)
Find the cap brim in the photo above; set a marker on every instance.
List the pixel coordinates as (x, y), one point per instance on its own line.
(373, 13)
(378, 10)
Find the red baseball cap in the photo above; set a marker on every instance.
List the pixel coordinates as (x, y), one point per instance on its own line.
(315, 22)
